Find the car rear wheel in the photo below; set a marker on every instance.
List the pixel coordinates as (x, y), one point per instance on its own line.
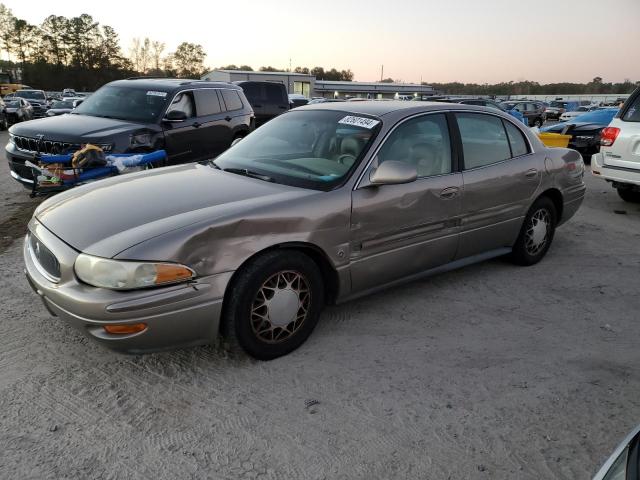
(536, 233)
(628, 195)
(4, 125)
(538, 122)
(274, 304)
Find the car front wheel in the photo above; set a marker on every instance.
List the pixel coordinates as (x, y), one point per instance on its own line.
(274, 304)
(628, 195)
(536, 233)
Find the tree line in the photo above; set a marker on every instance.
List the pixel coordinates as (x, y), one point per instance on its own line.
(596, 86)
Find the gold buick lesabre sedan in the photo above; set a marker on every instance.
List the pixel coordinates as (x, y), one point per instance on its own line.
(323, 204)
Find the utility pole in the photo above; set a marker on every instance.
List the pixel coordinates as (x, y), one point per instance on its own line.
(382, 73)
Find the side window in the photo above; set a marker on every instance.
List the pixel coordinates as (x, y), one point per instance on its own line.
(484, 140)
(275, 94)
(207, 102)
(516, 140)
(253, 92)
(632, 110)
(423, 142)
(231, 99)
(183, 102)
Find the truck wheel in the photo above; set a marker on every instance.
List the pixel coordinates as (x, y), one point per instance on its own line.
(628, 195)
(536, 233)
(274, 304)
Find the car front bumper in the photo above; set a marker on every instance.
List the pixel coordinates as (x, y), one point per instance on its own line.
(175, 316)
(17, 169)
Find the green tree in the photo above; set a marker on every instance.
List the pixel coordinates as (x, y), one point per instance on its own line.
(269, 69)
(188, 60)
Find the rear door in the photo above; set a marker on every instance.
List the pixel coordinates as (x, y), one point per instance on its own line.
(400, 230)
(214, 132)
(501, 176)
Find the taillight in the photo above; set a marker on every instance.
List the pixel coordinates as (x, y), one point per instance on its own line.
(608, 136)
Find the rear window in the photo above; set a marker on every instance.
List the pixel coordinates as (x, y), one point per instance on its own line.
(516, 140)
(231, 99)
(631, 112)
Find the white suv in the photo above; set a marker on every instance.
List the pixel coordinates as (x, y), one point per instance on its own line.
(619, 159)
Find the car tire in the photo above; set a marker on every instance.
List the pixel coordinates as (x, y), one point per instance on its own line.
(538, 123)
(273, 304)
(536, 233)
(4, 125)
(237, 139)
(628, 195)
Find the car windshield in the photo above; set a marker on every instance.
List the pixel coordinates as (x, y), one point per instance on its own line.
(12, 103)
(32, 95)
(558, 104)
(62, 104)
(597, 116)
(508, 106)
(308, 149)
(124, 103)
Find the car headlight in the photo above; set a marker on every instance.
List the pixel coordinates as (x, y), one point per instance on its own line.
(126, 275)
(12, 139)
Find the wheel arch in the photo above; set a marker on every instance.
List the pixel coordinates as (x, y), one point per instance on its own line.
(556, 197)
(330, 277)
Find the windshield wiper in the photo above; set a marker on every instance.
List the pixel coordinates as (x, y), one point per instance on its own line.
(248, 173)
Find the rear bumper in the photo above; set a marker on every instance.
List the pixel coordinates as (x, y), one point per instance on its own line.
(175, 316)
(612, 173)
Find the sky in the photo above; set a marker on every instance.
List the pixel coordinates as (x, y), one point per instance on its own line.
(479, 41)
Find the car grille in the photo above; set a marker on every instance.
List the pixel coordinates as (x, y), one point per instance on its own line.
(30, 144)
(45, 261)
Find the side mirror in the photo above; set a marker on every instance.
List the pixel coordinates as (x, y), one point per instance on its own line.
(393, 172)
(175, 116)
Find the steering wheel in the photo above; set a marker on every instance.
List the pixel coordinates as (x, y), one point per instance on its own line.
(346, 159)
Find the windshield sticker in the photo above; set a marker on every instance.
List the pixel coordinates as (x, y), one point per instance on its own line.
(359, 121)
(157, 94)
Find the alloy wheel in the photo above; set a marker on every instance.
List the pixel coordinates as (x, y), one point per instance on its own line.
(280, 306)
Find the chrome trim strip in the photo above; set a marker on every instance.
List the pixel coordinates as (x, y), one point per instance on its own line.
(19, 178)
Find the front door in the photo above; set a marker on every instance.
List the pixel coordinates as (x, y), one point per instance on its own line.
(182, 139)
(501, 176)
(400, 230)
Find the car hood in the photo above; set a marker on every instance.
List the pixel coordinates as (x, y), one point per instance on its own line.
(106, 217)
(577, 127)
(74, 128)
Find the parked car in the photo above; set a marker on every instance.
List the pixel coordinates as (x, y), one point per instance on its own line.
(297, 100)
(624, 462)
(581, 110)
(37, 99)
(4, 116)
(18, 110)
(60, 108)
(268, 99)
(534, 112)
(192, 120)
(558, 107)
(585, 130)
(323, 204)
(619, 159)
(484, 102)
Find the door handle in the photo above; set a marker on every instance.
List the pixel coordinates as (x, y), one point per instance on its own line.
(227, 118)
(196, 124)
(531, 173)
(449, 192)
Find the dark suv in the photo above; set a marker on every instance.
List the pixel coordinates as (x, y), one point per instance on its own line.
(268, 99)
(192, 120)
(534, 112)
(38, 100)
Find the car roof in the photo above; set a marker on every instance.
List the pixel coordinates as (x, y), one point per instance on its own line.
(379, 109)
(170, 84)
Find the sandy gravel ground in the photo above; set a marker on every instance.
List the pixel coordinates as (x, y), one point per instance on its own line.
(493, 371)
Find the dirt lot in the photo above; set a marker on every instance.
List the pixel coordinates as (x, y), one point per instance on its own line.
(493, 371)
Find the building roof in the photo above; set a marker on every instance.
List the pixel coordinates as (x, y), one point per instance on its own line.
(252, 72)
(409, 88)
